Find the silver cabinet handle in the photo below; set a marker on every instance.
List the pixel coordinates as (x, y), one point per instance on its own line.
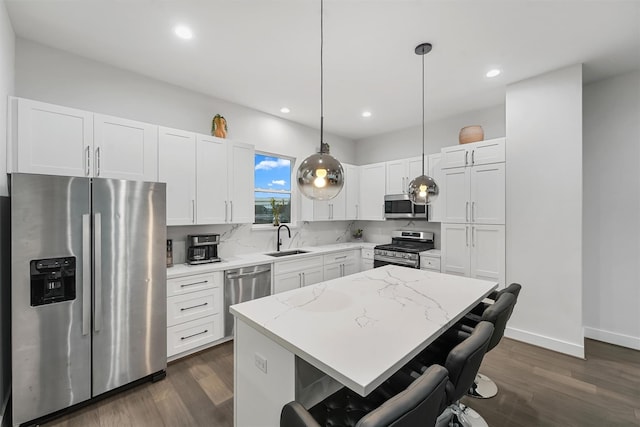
(97, 268)
(473, 236)
(473, 157)
(230, 210)
(304, 279)
(466, 211)
(194, 306)
(98, 161)
(194, 283)
(466, 156)
(225, 211)
(193, 211)
(466, 234)
(86, 274)
(194, 335)
(88, 161)
(341, 257)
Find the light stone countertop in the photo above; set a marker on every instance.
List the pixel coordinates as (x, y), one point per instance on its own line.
(362, 328)
(180, 270)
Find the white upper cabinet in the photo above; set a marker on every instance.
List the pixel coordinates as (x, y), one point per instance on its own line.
(372, 191)
(224, 181)
(477, 153)
(241, 182)
(177, 167)
(473, 192)
(399, 173)
(125, 149)
(54, 140)
(435, 172)
(50, 139)
(352, 192)
(212, 182)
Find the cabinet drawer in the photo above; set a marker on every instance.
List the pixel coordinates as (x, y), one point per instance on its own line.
(429, 263)
(194, 305)
(367, 253)
(198, 282)
(195, 333)
(282, 267)
(340, 257)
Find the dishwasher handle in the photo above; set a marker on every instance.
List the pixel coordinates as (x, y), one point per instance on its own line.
(252, 273)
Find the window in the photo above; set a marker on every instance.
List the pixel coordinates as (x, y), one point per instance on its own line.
(273, 187)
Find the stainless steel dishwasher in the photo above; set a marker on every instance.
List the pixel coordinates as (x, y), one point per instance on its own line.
(244, 284)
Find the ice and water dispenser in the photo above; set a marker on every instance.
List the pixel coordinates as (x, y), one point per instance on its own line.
(53, 280)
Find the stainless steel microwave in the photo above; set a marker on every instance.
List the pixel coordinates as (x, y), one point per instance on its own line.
(399, 206)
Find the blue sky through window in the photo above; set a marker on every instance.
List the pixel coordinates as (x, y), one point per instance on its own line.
(272, 173)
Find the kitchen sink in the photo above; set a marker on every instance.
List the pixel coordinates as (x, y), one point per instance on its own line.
(287, 253)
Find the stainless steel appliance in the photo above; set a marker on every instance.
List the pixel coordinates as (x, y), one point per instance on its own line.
(244, 284)
(88, 289)
(203, 248)
(404, 249)
(400, 206)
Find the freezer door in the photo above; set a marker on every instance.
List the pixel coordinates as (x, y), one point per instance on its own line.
(130, 282)
(51, 356)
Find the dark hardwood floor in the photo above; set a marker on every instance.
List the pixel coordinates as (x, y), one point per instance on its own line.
(537, 387)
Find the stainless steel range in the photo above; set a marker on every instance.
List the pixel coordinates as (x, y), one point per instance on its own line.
(404, 249)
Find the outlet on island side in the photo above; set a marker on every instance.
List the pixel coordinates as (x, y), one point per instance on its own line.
(261, 362)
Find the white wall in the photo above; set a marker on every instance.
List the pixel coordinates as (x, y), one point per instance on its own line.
(7, 64)
(407, 142)
(7, 46)
(611, 271)
(544, 208)
(58, 77)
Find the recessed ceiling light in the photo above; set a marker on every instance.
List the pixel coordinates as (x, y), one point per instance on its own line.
(183, 32)
(366, 114)
(493, 73)
(285, 110)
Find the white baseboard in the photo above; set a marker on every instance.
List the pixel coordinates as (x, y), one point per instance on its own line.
(554, 344)
(613, 338)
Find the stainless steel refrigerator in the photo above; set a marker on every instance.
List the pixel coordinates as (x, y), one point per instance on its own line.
(88, 292)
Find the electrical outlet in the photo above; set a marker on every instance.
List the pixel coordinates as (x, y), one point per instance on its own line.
(261, 362)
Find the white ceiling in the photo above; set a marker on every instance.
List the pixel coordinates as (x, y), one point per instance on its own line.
(265, 54)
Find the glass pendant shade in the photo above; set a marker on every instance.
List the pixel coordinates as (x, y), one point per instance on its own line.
(320, 177)
(423, 190)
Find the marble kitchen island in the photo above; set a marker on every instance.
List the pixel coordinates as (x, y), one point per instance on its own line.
(354, 331)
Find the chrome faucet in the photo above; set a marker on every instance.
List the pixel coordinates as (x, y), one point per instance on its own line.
(279, 240)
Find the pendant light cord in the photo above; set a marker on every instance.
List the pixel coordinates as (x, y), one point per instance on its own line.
(423, 114)
(322, 147)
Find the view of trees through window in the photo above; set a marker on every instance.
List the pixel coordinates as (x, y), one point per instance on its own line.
(272, 188)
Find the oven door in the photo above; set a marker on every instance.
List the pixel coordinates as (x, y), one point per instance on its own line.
(381, 261)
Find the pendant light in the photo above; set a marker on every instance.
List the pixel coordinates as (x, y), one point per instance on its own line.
(321, 176)
(423, 189)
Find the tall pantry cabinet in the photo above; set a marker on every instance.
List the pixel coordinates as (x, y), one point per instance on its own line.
(473, 203)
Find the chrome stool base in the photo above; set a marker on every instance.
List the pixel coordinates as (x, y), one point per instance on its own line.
(483, 388)
(459, 415)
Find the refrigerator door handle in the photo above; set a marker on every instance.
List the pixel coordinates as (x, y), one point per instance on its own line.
(86, 274)
(97, 265)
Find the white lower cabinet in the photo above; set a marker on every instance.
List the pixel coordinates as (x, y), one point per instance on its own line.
(474, 250)
(429, 263)
(297, 273)
(366, 259)
(194, 313)
(341, 264)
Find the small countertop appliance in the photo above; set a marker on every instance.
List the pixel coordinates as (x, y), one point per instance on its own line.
(203, 248)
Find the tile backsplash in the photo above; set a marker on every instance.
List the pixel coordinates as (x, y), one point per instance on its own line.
(240, 239)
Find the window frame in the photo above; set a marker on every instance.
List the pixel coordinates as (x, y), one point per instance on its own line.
(293, 192)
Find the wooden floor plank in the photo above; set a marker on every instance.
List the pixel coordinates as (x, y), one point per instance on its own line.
(537, 388)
